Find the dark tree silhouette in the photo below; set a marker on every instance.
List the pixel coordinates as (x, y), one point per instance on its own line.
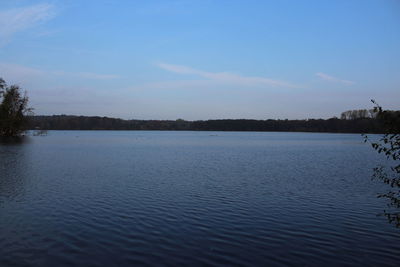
(389, 145)
(333, 125)
(357, 114)
(14, 110)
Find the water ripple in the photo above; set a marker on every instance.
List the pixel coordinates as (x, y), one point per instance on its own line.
(167, 198)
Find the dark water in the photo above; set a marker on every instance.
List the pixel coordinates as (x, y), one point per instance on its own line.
(192, 198)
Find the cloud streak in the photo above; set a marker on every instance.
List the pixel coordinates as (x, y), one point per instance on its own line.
(329, 78)
(16, 20)
(19, 72)
(226, 77)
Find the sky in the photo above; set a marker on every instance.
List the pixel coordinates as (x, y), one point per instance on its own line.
(202, 59)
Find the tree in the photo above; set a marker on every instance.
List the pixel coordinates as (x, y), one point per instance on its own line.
(389, 145)
(357, 114)
(13, 110)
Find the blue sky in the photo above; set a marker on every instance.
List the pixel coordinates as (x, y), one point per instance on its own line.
(202, 59)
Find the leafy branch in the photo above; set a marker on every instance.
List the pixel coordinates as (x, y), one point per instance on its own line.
(389, 146)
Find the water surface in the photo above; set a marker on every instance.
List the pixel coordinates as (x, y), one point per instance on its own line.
(118, 198)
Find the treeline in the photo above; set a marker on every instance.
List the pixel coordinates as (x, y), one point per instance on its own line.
(334, 125)
(358, 114)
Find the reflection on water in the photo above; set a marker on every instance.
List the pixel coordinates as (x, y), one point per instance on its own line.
(13, 161)
(5, 141)
(181, 198)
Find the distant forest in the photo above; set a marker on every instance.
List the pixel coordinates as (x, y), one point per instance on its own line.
(353, 121)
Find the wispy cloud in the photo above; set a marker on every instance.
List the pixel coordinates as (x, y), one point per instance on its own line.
(16, 20)
(227, 77)
(86, 75)
(330, 78)
(17, 72)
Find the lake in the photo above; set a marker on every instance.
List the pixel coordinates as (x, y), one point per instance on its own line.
(119, 198)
